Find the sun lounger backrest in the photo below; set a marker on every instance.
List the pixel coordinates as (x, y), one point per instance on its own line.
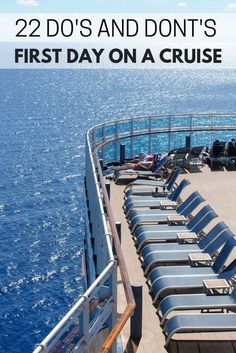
(187, 202)
(217, 243)
(191, 207)
(231, 150)
(176, 193)
(170, 176)
(181, 152)
(215, 232)
(195, 152)
(204, 222)
(229, 272)
(173, 178)
(218, 149)
(224, 253)
(158, 164)
(202, 214)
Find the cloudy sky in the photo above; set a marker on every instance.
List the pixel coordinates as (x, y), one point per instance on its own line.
(191, 6)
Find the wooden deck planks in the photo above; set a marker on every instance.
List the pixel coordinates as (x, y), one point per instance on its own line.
(219, 190)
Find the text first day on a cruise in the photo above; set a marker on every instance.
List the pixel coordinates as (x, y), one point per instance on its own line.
(117, 55)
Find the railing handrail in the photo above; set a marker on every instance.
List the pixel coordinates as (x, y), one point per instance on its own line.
(111, 262)
(162, 116)
(116, 330)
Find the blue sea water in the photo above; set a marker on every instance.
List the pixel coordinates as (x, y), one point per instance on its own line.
(43, 119)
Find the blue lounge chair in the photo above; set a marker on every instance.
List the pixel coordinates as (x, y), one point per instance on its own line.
(188, 270)
(180, 156)
(159, 211)
(195, 157)
(184, 323)
(166, 285)
(185, 209)
(164, 233)
(199, 301)
(154, 172)
(168, 254)
(150, 189)
(166, 184)
(214, 235)
(151, 201)
(171, 237)
(216, 153)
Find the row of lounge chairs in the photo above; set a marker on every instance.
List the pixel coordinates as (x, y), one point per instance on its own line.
(182, 157)
(185, 266)
(187, 157)
(154, 172)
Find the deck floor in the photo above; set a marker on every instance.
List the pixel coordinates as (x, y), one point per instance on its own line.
(219, 190)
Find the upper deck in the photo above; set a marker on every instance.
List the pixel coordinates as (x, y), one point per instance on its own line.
(219, 190)
(92, 324)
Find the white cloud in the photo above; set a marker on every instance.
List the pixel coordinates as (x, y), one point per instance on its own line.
(182, 4)
(32, 3)
(231, 7)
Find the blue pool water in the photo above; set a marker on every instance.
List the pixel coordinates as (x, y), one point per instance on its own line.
(43, 119)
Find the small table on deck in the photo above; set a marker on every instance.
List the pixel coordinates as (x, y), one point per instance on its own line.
(200, 259)
(187, 237)
(216, 286)
(176, 219)
(168, 204)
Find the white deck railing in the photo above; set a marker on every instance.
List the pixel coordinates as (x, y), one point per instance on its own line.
(164, 132)
(97, 306)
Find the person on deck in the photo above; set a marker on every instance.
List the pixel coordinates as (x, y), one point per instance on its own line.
(143, 162)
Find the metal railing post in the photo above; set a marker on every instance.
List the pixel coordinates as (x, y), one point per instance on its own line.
(118, 228)
(132, 140)
(169, 127)
(188, 141)
(191, 124)
(116, 141)
(122, 154)
(108, 188)
(137, 317)
(149, 133)
(103, 140)
(85, 323)
(101, 163)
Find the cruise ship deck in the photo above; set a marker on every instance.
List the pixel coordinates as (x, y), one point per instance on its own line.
(100, 320)
(219, 190)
